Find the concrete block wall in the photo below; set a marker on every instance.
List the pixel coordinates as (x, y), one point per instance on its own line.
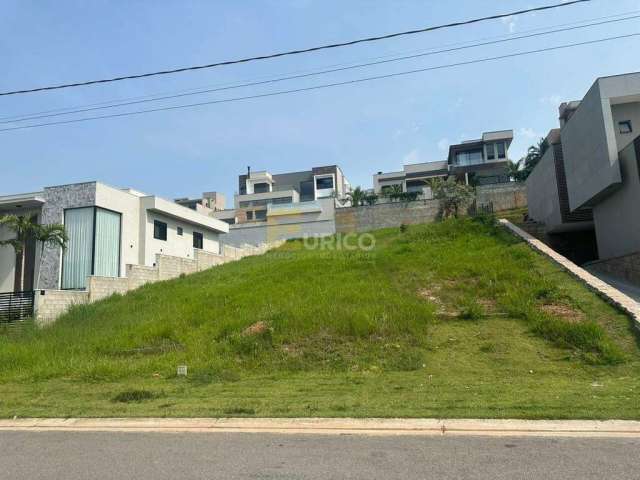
(50, 304)
(54, 303)
(362, 219)
(504, 196)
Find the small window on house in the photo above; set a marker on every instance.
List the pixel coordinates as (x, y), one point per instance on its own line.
(180, 231)
(261, 214)
(249, 215)
(197, 240)
(625, 126)
(501, 150)
(159, 230)
(323, 183)
(491, 151)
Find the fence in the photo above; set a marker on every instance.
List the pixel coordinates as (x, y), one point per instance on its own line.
(16, 306)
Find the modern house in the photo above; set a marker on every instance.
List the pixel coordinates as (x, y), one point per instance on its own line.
(208, 202)
(262, 194)
(590, 179)
(480, 162)
(108, 228)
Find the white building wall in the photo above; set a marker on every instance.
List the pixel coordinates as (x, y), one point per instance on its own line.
(7, 262)
(128, 205)
(175, 245)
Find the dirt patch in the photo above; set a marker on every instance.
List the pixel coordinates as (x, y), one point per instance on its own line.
(431, 294)
(565, 312)
(257, 328)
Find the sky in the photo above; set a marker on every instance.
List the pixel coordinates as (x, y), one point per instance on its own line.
(364, 128)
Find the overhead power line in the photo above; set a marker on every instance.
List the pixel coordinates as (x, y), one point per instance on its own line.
(326, 85)
(294, 52)
(90, 108)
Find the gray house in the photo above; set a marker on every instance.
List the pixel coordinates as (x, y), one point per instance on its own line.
(589, 177)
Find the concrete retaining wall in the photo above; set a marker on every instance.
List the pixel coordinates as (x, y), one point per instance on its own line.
(50, 304)
(361, 219)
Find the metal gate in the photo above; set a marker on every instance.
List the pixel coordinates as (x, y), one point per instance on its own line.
(16, 306)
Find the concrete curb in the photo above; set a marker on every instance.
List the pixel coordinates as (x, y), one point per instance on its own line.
(335, 426)
(609, 293)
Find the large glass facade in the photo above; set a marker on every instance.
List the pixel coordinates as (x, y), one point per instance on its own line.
(470, 157)
(93, 247)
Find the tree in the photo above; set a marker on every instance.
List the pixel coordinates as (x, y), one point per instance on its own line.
(393, 191)
(371, 199)
(26, 229)
(453, 196)
(52, 235)
(514, 171)
(357, 197)
(534, 154)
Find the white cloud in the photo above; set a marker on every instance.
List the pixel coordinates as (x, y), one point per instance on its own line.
(443, 144)
(510, 22)
(412, 157)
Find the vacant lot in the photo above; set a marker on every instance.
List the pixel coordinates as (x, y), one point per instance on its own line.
(454, 319)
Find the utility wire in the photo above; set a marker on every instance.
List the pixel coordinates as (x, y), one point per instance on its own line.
(326, 85)
(295, 52)
(32, 115)
(311, 74)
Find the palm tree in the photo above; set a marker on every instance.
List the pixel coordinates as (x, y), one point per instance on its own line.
(513, 170)
(534, 154)
(26, 229)
(393, 191)
(52, 235)
(357, 197)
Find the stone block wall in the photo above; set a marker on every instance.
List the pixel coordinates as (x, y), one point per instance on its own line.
(102, 287)
(504, 196)
(362, 219)
(49, 304)
(172, 267)
(626, 267)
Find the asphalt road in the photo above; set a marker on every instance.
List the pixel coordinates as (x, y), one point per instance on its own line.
(177, 456)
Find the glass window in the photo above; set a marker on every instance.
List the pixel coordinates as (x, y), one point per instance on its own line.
(180, 232)
(106, 257)
(306, 191)
(249, 215)
(197, 240)
(471, 157)
(260, 187)
(324, 183)
(501, 150)
(93, 247)
(159, 230)
(625, 126)
(261, 214)
(491, 151)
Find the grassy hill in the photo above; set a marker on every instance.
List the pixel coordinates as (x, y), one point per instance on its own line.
(454, 319)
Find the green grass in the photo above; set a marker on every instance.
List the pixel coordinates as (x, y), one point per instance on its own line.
(453, 319)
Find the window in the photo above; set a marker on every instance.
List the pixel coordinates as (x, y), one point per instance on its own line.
(491, 151)
(323, 183)
(159, 230)
(197, 240)
(261, 214)
(471, 157)
(179, 231)
(260, 187)
(625, 126)
(249, 215)
(501, 150)
(306, 191)
(93, 247)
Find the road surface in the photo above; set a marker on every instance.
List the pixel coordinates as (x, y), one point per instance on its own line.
(230, 456)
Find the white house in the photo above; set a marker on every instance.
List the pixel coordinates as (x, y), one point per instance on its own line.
(108, 228)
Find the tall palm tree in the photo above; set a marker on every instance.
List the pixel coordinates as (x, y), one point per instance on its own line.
(26, 229)
(357, 196)
(534, 154)
(393, 191)
(514, 171)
